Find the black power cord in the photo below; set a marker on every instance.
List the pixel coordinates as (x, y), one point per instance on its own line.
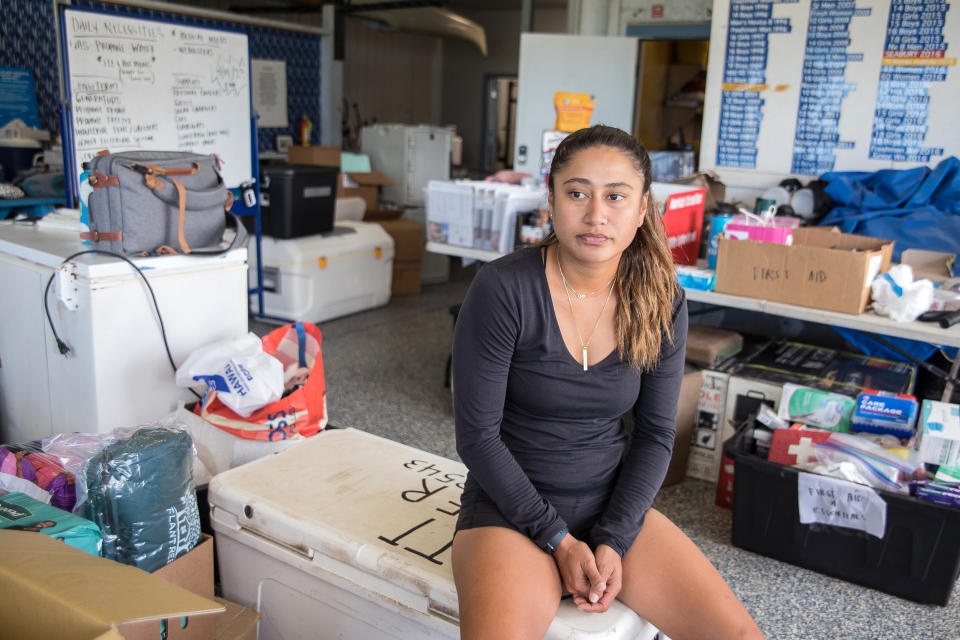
(64, 348)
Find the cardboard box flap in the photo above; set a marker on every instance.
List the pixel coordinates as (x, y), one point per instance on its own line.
(935, 265)
(371, 179)
(52, 590)
(833, 238)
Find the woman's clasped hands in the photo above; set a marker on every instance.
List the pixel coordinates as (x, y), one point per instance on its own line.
(593, 578)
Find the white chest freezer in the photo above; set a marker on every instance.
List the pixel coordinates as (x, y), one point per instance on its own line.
(348, 535)
(117, 374)
(410, 155)
(316, 278)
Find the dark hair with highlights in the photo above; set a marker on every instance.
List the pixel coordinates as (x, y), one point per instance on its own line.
(646, 279)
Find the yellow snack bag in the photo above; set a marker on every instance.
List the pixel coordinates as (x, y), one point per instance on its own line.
(573, 110)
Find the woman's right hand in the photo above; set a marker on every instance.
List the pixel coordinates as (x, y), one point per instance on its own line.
(578, 569)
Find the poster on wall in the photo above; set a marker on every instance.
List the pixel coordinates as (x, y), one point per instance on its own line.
(802, 87)
(269, 79)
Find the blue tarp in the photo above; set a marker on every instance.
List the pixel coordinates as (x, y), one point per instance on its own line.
(917, 208)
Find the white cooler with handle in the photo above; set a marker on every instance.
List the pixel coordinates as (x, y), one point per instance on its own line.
(348, 535)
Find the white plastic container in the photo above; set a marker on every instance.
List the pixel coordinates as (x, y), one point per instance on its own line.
(348, 535)
(316, 278)
(117, 374)
(410, 155)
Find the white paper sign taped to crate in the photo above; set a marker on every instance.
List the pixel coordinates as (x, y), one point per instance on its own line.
(840, 503)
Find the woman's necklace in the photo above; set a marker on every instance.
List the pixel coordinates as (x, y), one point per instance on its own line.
(579, 295)
(567, 289)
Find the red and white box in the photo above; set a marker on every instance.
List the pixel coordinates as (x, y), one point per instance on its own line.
(682, 209)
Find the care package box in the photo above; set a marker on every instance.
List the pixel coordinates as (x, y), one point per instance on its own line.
(52, 590)
(822, 269)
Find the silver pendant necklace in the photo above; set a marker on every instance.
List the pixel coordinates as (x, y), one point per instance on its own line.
(584, 346)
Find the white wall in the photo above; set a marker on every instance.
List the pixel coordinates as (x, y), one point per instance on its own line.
(464, 69)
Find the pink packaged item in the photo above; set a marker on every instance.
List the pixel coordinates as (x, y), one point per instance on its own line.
(755, 231)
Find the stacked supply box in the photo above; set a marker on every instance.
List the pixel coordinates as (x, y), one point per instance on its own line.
(735, 391)
(317, 278)
(349, 535)
(407, 254)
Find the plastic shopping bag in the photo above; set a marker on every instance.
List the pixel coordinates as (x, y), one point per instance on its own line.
(897, 295)
(303, 407)
(244, 377)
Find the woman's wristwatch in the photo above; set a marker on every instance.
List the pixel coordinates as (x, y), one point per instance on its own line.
(552, 543)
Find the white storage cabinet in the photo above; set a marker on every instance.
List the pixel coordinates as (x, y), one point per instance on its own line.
(117, 374)
(410, 155)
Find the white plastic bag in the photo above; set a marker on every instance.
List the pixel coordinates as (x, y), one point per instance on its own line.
(244, 377)
(897, 295)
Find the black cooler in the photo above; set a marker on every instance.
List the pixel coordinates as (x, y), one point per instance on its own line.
(296, 200)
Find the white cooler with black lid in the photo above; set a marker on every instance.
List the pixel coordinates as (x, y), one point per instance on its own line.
(348, 535)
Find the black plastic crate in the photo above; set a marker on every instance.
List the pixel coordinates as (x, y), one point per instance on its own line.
(296, 200)
(918, 558)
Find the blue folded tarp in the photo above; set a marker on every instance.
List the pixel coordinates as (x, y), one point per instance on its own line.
(917, 208)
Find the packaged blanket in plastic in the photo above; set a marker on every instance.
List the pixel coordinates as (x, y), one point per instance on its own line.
(140, 493)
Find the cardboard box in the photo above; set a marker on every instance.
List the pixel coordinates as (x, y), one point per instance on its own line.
(324, 156)
(939, 433)
(379, 215)
(408, 239)
(686, 416)
(237, 622)
(709, 181)
(408, 242)
(406, 277)
(363, 185)
(51, 590)
(192, 571)
(682, 209)
(823, 269)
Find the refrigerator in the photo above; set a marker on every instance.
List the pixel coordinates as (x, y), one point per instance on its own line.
(411, 156)
(117, 373)
(601, 66)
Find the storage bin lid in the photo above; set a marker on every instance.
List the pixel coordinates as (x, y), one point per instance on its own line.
(383, 507)
(292, 170)
(49, 246)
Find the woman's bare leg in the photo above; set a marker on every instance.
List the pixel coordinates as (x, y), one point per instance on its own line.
(669, 582)
(508, 588)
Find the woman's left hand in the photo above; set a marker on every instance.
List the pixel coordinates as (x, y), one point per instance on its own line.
(610, 566)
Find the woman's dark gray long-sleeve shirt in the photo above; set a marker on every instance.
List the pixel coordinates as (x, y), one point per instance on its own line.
(531, 423)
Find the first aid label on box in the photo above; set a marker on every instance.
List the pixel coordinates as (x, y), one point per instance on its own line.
(840, 503)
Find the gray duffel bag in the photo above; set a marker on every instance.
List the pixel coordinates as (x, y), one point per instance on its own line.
(159, 202)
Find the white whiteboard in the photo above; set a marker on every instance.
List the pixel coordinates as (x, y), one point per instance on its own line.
(802, 87)
(140, 84)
